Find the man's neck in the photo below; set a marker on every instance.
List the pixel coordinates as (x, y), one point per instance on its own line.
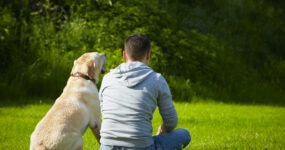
(144, 61)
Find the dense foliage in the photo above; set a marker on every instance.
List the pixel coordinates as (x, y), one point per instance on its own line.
(231, 50)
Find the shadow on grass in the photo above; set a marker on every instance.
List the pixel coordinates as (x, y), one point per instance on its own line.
(204, 99)
(23, 101)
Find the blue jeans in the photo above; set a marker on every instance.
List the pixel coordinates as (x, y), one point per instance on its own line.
(174, 140)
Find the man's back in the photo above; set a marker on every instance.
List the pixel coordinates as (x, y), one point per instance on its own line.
(129, 95)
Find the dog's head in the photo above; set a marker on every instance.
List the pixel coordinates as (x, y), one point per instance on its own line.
(90, 64)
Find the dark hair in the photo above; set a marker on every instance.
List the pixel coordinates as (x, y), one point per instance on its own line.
(136, 46)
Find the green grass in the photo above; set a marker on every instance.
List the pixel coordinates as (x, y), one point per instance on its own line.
(212, 125)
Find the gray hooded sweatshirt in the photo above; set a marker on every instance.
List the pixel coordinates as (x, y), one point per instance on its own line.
(129, 95)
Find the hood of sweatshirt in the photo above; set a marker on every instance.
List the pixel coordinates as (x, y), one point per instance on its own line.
(131, 74)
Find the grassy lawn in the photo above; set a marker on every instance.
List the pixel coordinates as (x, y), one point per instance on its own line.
(212, 125)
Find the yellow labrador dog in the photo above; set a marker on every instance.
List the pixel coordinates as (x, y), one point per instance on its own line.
(77, 108)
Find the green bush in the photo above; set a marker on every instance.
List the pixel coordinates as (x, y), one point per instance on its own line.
(181, 88)
(225, 56)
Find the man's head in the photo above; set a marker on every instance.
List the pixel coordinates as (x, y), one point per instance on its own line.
(137, 48)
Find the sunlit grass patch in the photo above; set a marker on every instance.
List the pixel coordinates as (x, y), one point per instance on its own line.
(212, 125)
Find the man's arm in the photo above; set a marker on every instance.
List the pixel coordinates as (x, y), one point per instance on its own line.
(166, 108)
(96, 129)
(102, 88)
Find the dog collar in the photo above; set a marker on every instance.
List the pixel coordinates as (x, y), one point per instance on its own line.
(78, 74)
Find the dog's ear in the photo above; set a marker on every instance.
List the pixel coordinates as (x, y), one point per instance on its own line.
(91, 69)
(85, 65)
(97, 68)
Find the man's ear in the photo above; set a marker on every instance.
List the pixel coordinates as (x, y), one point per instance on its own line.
(148, 55)
(124, 55)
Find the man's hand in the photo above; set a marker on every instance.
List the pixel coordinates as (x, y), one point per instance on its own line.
(161, 130)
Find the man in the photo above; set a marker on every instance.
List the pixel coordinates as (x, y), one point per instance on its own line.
(129, 95)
